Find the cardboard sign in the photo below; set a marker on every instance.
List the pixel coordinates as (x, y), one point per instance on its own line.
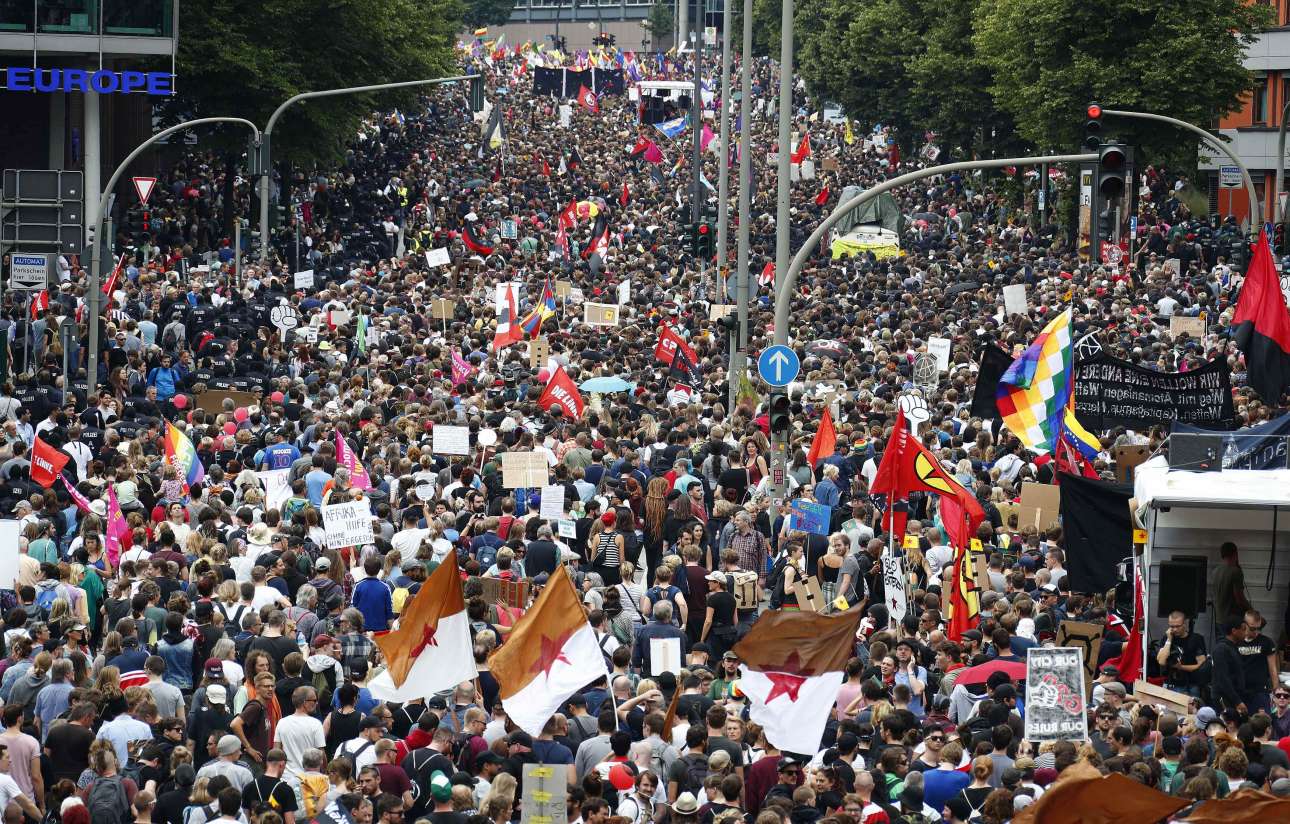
(348, 524)
(212, 400)
(511, 593)
(563, 288)
(438, 257)
(664, 655)
(552, 507)
(1014, 299)
(539, 351)
(600, 314)
(443, 308)
(304, 280)
(717, 311)
(450, 440)
(830, 164)
(543, 799)
(809, 516)
(1173, 265)
(1127, 458)
(939, 348)
(1040, 505)
(808, 594)
(1087, 638)
(1172, 700)
(893, 586)
(524, 469)
(1194, 327)
(1056, 702)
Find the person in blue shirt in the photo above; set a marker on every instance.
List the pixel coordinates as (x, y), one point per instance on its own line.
(372, 597)
(827, 491)
(315, 481)
(279, 454)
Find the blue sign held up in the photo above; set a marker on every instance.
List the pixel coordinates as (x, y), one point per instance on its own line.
(778, 365)
(809, 516)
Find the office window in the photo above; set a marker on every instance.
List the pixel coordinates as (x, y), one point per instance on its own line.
(1259, 100)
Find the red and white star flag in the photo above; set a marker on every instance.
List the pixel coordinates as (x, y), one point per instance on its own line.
(551, 654)
(793, 664)
(431, 650)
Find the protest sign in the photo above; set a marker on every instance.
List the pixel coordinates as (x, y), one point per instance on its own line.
(664, 655)
(277, 487)
(496, 591)
(523, 469)
(450, 440)
(1110, 392)
(600, 314)
(893, 584)
(442, 308)
(717, 311)
(304, 280)
(347, 524)
(1040, 505)
(562, 289)
(1014, 299)
(1087, 638)
(543, 799)
(567, 529)
(9, 532)
(1055, 705)
(1194, 327)
(539, 351)
(437, 257)
(809, 516)
(939, 348)
(509, 230)
(552, 507)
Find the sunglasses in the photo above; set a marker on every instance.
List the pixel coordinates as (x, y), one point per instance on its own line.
(1282, 695)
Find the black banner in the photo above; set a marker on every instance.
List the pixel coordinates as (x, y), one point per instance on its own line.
(1111, 392)
(1254, 447)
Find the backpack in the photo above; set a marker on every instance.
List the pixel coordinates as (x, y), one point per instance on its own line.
(107, 802)
(656, 594)
(656, 759)
(775, 582)
(45, 601)
(487, 557)
(659, 465)
(696, 771)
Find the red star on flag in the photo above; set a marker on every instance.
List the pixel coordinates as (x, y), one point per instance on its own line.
(552, 651)
(427, 640)
(789, 680)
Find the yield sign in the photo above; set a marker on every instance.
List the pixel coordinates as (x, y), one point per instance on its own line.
(144, 186)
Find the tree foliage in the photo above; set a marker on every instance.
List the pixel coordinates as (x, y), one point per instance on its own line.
(244, 59)
(1049, 58)
(659, 24)
(488, 12)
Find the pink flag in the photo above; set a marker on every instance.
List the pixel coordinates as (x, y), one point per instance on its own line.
(116, 526)
(653, 154)
(707, 137)
(345, 457)
(461, 369)
(82, 502)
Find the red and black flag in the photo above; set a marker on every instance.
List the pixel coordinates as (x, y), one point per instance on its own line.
(575, 159)
(599, 243)
(1261, 326)
(473, 243)
(684, 369)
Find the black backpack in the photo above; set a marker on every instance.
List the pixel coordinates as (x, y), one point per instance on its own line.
(775, 582)
(107, 801)
(696, 772)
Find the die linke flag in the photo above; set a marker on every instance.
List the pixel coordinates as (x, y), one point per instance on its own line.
(669, 343)
(46, 463)
(431, 649)
(345, 457)
(551, 654)
(1261, 326)
(562, 392)
(587, 99)
(792, 666)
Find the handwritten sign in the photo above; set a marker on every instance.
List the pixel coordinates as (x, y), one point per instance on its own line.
(450, 440)
(543, 799)
(552, 507)
(893, 586)
(438, 257)
(809, 516)
(562, 289)
(443, 308)
(939, 348)
(523, 469)
(347, 524)
(600, 314)
(567, 529)
(304, 280)
(1014, 299)
(277, 487)
(1194, 327)
(1087, 638)
(1056, 709)
(717, 311)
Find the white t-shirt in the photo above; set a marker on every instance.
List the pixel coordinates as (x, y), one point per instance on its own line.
(359, 750)
(408, 541)
(9, 790)
(265, 595)
(297, 734)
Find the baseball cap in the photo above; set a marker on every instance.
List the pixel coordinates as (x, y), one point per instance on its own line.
(1115, 687)
(436, 702)
(973, 635)
(1206, 716)
(78, 627)
(729, 655)
(487, 757)
(788, 762)
(440, 786)
(622, 777)
(372, 722)
(322, 564)
(228, 745)
(1112, 670)
(719, 760)
(216, 694)
(214, 668)
(520, 738)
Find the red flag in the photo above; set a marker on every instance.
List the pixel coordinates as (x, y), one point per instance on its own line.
(1129, 662)
(569, 215)
(546, 168)
(642, 143)
(803, 150)
(562, 392)
(110, 286)
(823, 197)
(46, 463)
(39, 303)
(825, 440)
(587, 100)
(907, 466)
(767, 276)
(625, 197)
(669, 343)
(964, 600)
(473, 243)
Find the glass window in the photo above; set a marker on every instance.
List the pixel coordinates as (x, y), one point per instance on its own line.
(16, 15)
(68, 16)
(1259, 99)
(141, 18)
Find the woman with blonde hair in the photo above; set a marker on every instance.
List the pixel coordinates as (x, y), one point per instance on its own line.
(499, 801)
(113, 645)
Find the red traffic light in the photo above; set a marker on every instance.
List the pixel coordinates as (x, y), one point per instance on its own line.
(1112, 159)
(703, 228)
(1094, 111)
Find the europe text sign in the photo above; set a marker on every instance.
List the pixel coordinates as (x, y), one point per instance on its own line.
(28, 79)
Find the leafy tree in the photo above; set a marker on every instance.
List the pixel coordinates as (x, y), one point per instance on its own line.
(1049, 58)
(659, 23)
(488, 12)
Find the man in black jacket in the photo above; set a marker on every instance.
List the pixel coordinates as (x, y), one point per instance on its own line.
(1229, 677)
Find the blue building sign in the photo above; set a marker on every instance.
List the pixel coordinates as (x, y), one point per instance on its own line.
(28, 79)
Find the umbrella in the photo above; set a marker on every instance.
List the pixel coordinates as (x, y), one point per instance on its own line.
(1016, 670)
(965, 286)
(930, 217)
(606, 385)
(474, 183)
(829, 349)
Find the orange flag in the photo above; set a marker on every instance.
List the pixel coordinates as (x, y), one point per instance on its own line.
(825, 441)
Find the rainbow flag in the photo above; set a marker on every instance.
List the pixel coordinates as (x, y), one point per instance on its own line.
(181, 453)
(1034, 393)
(1076, 435)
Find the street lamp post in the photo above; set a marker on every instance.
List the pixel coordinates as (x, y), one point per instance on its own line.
(95, 295)
(1278, 214)
(265, 147)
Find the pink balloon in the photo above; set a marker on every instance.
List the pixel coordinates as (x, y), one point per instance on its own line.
(229, 427)
(240, 414)
(180, 401)
(544, 375)
(277, 397)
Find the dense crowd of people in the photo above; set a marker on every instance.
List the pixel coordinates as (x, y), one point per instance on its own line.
(217, 665)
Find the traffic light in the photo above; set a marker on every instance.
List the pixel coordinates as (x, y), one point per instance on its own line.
(704, 240)
(1093, 127)
(477, 94)
(689, 238)
(1112, 169)
(781, 415)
